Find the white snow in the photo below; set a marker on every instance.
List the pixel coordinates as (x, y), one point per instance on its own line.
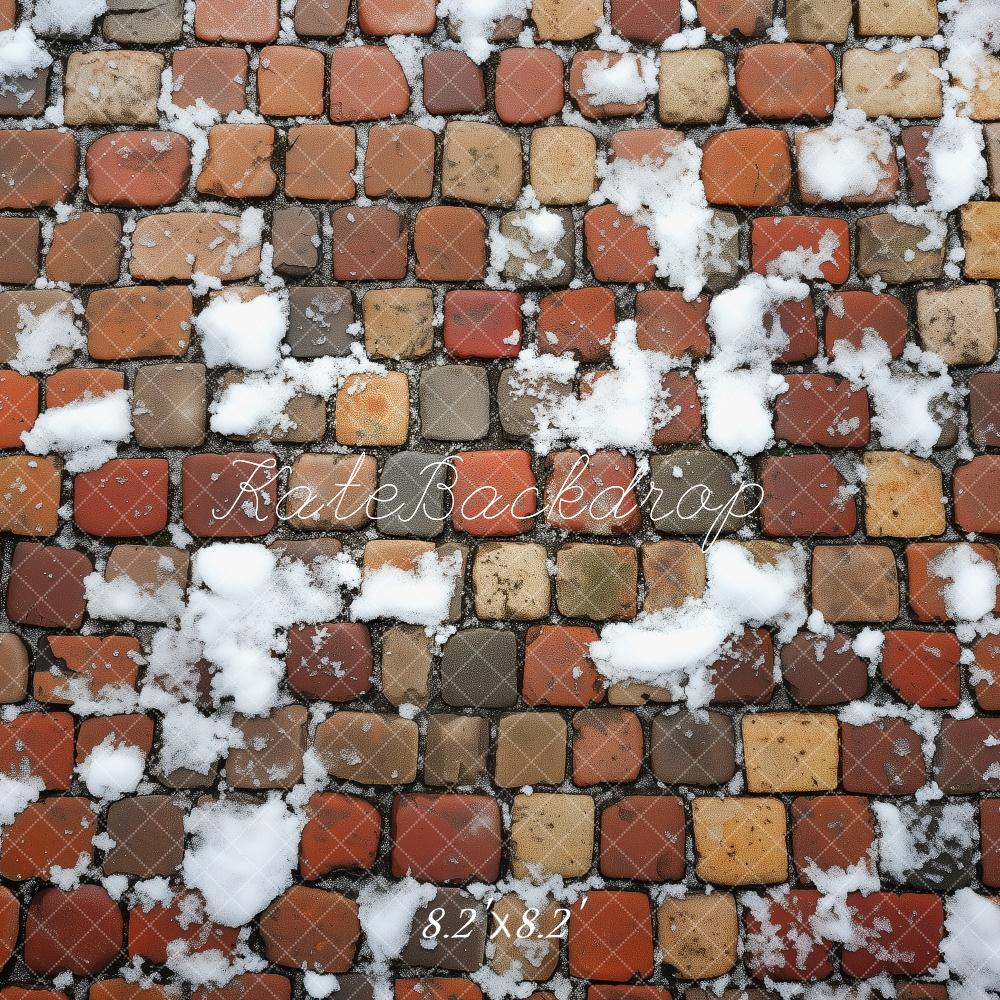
(956, 166)
(243, 333)
(21, 54)
(86, 432)
(241, 600)
(833, 920)
(969, 947)
(475, 20)
(846, 159)
(16, 794)
(241, 856)
(192, 740)
(320, 985)
(868, 644)
(905, 835)
(624, 408)
(674, 648)
(111, 771)
(667, 197)
(67, 17)
(542, 229)
(903, 392)
(47, 339)
(122, 599)
(386, 911)
(629, 79)
(257, 403)
(971, 591)
(421, 596)
(738, 384)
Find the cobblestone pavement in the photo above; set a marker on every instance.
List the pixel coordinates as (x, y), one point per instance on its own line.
(439, 786)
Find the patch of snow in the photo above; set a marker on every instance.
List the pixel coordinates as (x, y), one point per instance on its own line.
(386, 911)
(111, 771)
(665, 194)
(242, 333)
(674, 648)
(20, 55)
(46, 340)
(67, 17)
(16, 794)
(86, 432)
(475, 20)
(421, 596)
(905, 393)
(627, 80)
(241, 857)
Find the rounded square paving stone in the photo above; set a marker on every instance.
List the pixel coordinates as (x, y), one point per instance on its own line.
(368, 748)
(482, 324)
(823, 671)
(76, 930)
(530, 749)
(342, 832)
(453, 84)
(124, 498)
(692, 749)
(494, 493)
(30, 490)
(698, 935)
(319, 162)
(740, 840)
(20, 240)
(446, 838)
(455, 749)
(551, 833)
(449, 244)
(479, 668)
(311, 928)
(558, 670)
(461, 944)
(50, 833)
(169, 405)
(148, 831)
(329, 662)
(399, 160)
(369, 244)
(529, 85)
(318, 321)
(290, 81)
(398, 322)
(611, 936)
(366, 83)
(643, 837)
(607, 746)
(229, 496)
(216, 75)
(45, 586)
(454, 403)
(596, 581)
(411, 495)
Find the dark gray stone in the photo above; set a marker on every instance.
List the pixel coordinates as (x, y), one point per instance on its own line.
(479, 669)
(318, 320)
(144, 22)
(689, 749)
(295, 236)
(707, 479)
(454, 403)
(459, 954)
(411, 500)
